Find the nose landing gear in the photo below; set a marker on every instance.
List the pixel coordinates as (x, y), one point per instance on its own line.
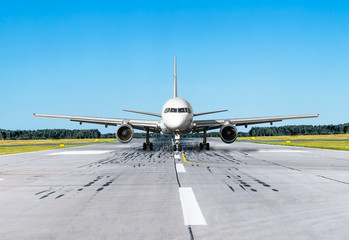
(147, 142)
(177, 146)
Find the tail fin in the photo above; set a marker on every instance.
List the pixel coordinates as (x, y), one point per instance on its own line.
(175, 77)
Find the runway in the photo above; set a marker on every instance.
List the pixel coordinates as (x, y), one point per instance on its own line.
(118, 191)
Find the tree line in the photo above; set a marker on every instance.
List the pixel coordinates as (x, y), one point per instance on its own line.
(292, 130)
(95, 133)
(63, 134)
(49, 134)
(299, 130)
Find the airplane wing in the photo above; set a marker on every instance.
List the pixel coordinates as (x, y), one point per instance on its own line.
(200, 125)
(137, 124)
(204, 113)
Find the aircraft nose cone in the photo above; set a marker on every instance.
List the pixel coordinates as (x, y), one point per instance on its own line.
(175, 124)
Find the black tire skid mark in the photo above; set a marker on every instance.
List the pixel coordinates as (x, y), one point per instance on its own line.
(48, 194)
(51, 191)
(256, 179)
(264, 184)
(238, 180)
(95, 194)
(228, 158)
(106, 185)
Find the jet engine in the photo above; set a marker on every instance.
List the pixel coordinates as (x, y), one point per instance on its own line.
(124, 133)
(228, 133)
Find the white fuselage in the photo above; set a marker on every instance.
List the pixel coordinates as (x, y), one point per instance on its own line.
(177, 116)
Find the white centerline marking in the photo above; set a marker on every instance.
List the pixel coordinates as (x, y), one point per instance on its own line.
(191, 210)
(1, 179)
(180, 167)
(79, 152)
(177, 156)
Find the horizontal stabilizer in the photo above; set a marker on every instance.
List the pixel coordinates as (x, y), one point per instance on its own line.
(204, 113)
(146, 113)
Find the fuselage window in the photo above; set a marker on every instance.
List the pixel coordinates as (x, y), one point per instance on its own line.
(181, 110)
(173, 110)
(187, 110)
(166, 110)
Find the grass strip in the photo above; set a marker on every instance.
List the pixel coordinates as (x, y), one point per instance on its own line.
(55, 141)
(12, 150)
(342, 145)
(298, 137)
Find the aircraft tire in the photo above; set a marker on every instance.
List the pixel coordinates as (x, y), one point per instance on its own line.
(151, 146)
(207, 146)
(201, 146)
(144, 146)
(179, 147)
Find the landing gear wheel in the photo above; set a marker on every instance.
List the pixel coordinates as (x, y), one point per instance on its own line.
(207, 146)
(144, 146)
(174, 148)
(201, 146)
(179, 147)
(151, 146)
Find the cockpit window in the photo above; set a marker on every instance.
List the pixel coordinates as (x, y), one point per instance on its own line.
(180, 110)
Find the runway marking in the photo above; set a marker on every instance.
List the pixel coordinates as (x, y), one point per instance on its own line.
(180, 167)
(1, 179)
(191, 210)
(80, 152)
(176, 156)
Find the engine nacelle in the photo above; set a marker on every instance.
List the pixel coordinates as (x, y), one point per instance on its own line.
(124, 133)
(228, 133)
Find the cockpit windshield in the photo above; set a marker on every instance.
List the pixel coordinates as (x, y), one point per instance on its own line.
(180, 110)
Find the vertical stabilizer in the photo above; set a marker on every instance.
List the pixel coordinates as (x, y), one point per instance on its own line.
(175, 77)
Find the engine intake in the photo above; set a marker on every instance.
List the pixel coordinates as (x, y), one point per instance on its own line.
(228, 133)
(124, 133)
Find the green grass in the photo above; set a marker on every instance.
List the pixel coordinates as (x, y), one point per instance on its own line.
(335, 145)
(297, 137)
(317, 141)
(39, 144)
(22, 149)
(54, 141)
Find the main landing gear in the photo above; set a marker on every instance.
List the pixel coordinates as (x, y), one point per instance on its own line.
(147, 142)
(177, 146)
(204, 144)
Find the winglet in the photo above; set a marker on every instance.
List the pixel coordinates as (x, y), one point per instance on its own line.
(175, 77)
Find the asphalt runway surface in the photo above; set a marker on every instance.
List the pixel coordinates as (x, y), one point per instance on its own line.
(118, 191)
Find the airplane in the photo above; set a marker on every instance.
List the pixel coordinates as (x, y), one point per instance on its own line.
(177, 118)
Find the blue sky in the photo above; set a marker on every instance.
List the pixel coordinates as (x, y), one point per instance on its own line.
(95, 58)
